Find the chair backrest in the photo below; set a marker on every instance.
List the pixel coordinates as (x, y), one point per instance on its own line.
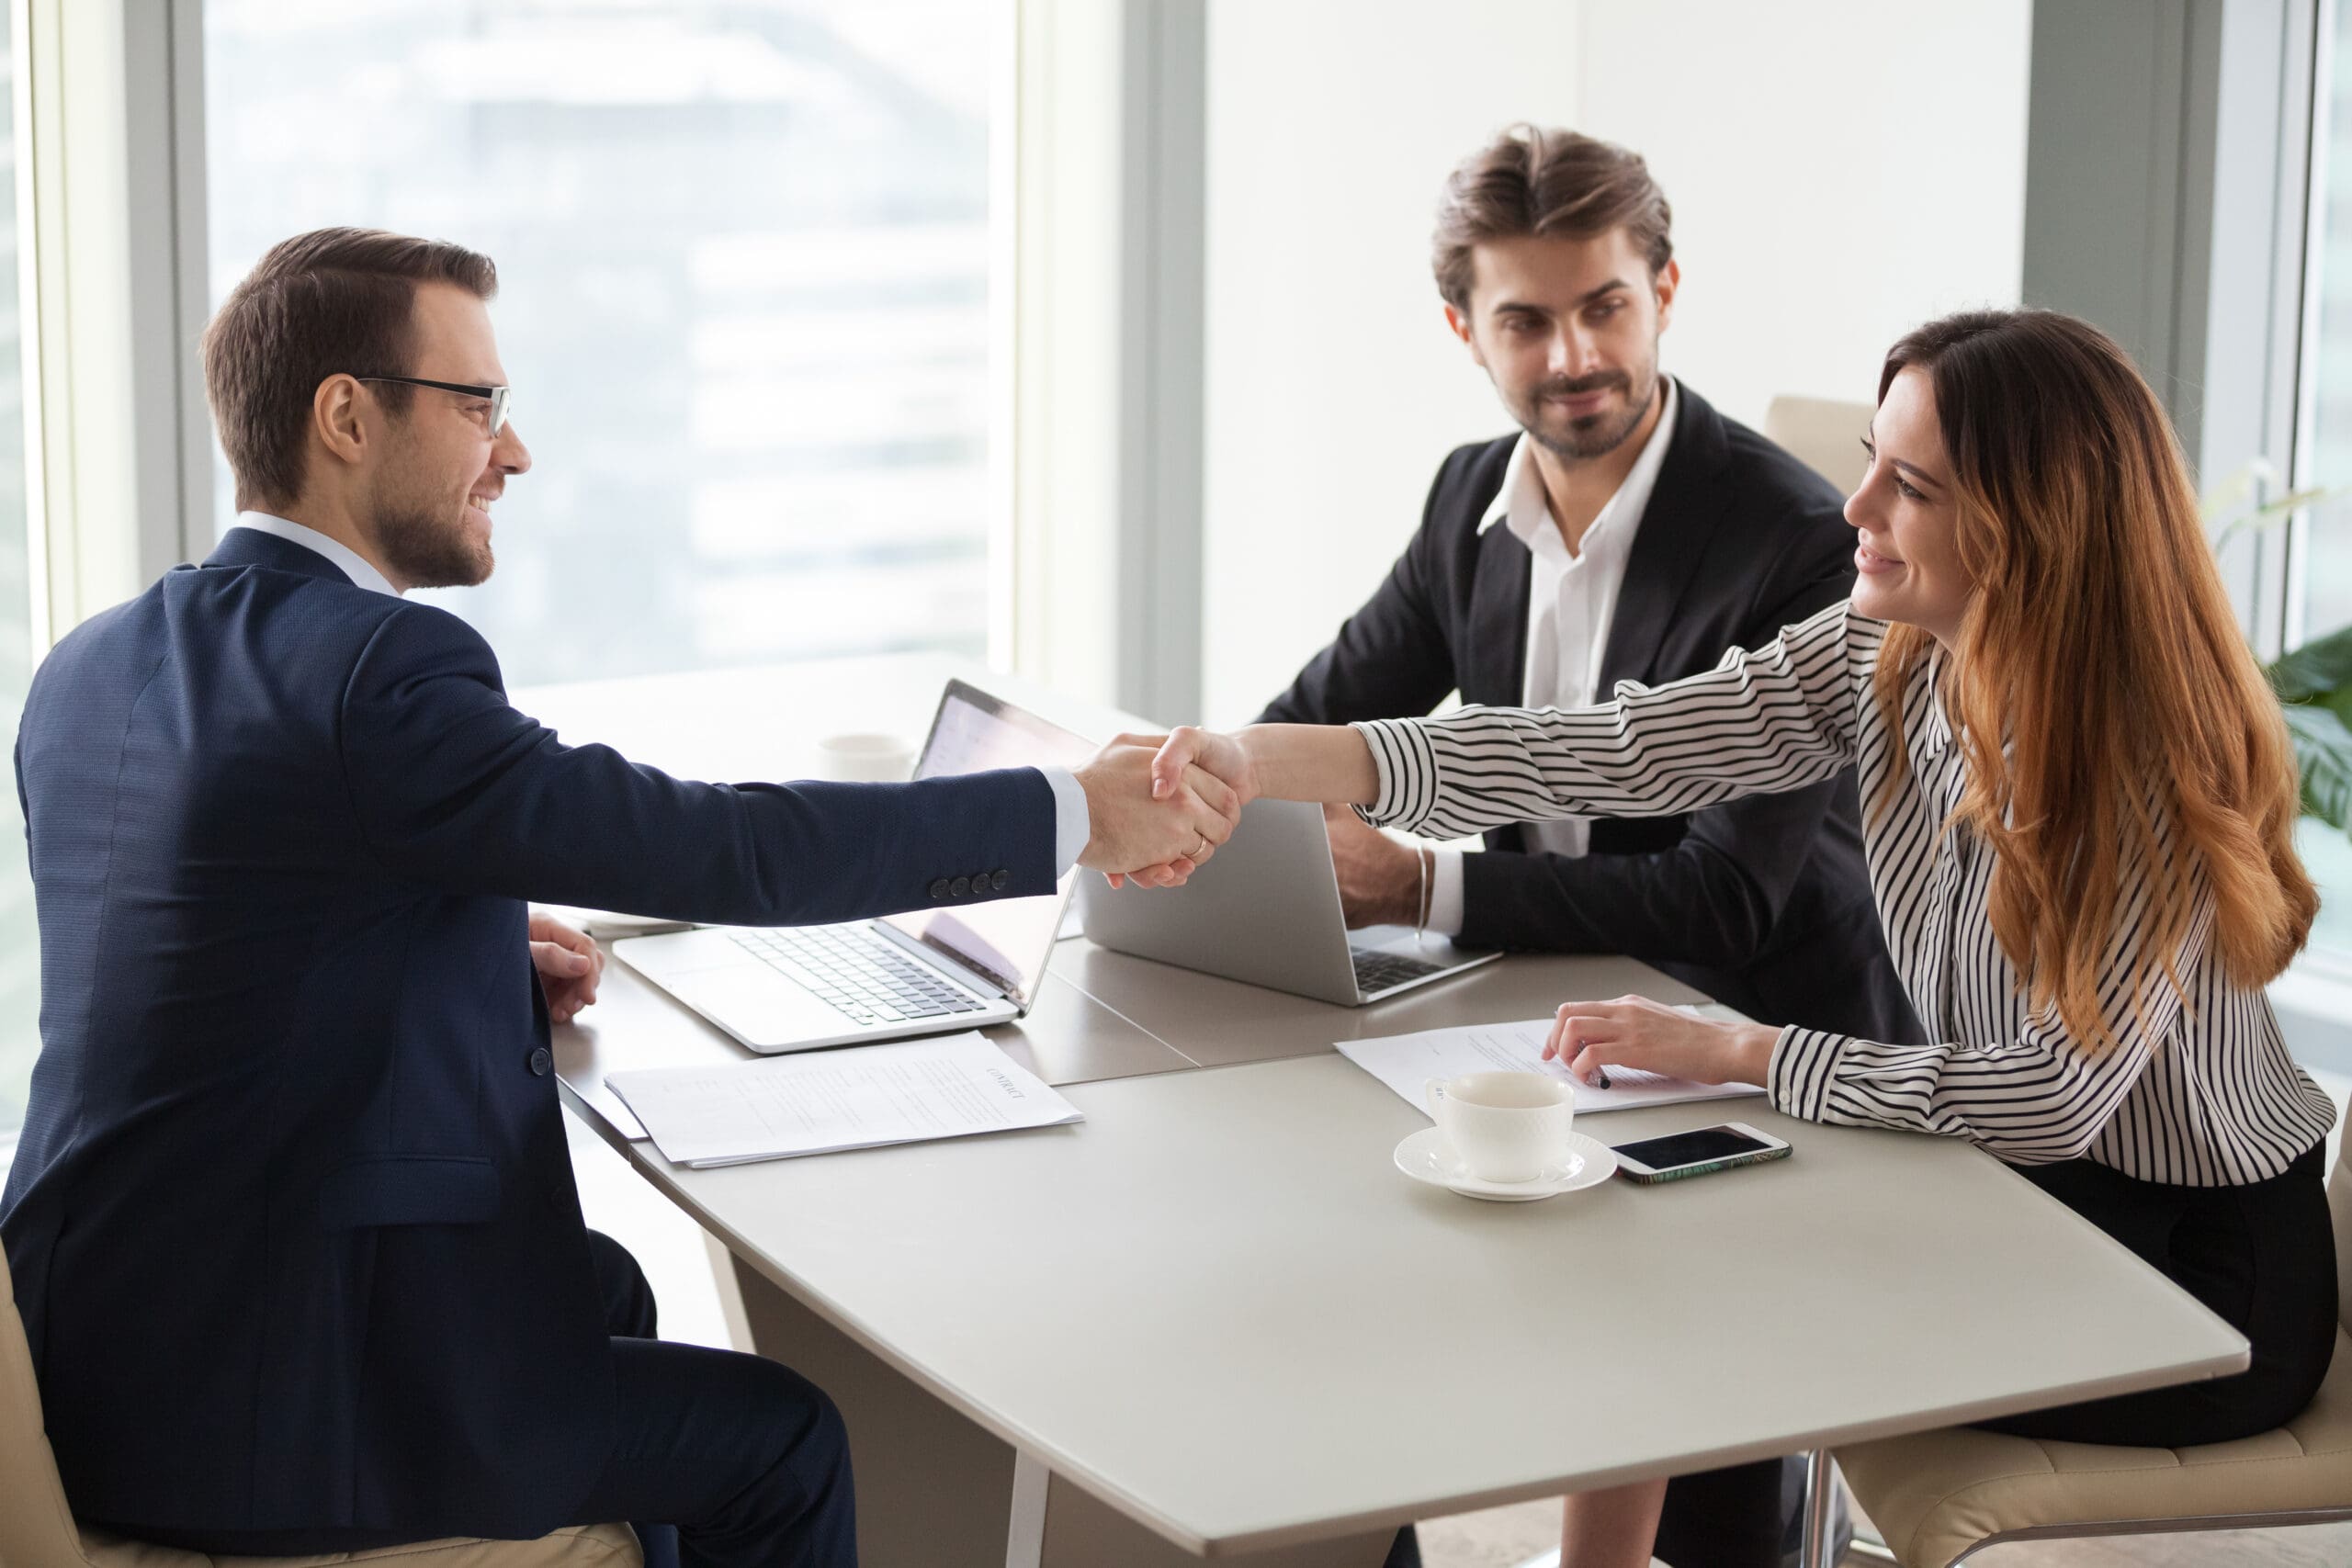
(37, 1526)
(1825, 435)
(2339, 1204)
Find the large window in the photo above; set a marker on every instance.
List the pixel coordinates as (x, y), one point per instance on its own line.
(744, 254)
(19, 953)
(2324, 541)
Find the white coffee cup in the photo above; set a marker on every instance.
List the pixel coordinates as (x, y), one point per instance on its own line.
(864, 757)
(1505, 1126)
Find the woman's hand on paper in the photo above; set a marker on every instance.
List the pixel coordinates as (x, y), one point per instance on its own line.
(1634, 1031)
(570, 964)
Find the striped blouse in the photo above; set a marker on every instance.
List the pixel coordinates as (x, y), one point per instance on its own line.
(2204, 1097)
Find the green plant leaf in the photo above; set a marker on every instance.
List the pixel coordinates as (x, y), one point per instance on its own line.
(2323, 752)
(2319, 669)
(2269, 515)
(2233, 490)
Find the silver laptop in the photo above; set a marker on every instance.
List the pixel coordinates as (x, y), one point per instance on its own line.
(797, 987)
(1265, 909)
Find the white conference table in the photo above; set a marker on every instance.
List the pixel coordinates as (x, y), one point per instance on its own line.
(1212, 1320)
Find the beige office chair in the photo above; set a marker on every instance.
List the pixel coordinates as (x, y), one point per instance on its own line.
(1940, 1497)
(36, 1530)
(1825, 435)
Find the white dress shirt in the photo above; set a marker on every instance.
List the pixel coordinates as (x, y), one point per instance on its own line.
(1571, 600)
(1072, 823)
(355, 566)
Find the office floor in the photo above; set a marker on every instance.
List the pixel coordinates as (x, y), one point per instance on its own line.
(674, 1256)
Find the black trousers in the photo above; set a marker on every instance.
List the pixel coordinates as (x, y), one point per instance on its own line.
(2262, 1256)
(721, 1460)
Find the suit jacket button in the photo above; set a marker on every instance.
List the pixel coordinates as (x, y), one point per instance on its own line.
(939, 889)
(961, 886)
(541, 1063)
(999, 881)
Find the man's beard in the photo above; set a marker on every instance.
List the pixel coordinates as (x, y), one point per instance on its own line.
(424, 548)
(1594, 435)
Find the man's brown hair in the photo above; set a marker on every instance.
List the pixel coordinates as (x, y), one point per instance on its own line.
(1531, 181)
(333, 302)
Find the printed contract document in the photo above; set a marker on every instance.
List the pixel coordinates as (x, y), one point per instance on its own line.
(1406, 1063)
(821, 1100)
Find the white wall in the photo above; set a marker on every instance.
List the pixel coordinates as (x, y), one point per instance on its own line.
(1839, 169)
(1333, 387)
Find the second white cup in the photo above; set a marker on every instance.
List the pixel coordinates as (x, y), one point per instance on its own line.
(1505, 1126)
(864, 757)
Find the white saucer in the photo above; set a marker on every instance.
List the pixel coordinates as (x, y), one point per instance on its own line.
(1427, 1156)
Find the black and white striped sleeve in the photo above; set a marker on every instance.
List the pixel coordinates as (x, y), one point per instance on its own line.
(2033, 1100)
(1773, 718)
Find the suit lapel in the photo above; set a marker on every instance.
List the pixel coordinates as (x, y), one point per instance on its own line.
(1495, 673)
(1686, 508)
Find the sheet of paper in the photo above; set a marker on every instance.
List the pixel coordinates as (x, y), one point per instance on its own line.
(819, 1101)
(1406, 1063)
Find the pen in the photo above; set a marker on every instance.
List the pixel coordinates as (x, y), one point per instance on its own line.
(1602, 1076)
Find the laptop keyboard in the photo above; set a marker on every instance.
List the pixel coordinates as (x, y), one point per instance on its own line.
(1378, 970)
(870, 977)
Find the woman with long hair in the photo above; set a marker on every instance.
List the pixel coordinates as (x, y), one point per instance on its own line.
(2078, 803)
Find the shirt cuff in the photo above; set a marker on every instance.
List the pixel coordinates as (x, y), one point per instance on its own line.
(1073, 825)
(1445, 892)
(1804, 1063)
(1407, 767)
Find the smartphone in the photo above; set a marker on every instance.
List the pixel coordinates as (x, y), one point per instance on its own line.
(1697, 1153)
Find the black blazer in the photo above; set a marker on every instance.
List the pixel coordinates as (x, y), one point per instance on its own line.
(1763, 903)
(292, 1223)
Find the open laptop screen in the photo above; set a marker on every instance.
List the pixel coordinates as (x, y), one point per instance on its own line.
(1007, 940)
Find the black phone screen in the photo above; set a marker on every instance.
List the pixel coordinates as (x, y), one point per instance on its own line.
(1695, 1148)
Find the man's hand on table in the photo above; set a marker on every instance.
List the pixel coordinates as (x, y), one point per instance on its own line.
(570, 964)
(1155, 842)
(1382, 882)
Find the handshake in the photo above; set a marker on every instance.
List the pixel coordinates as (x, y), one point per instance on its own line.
(1157, 805)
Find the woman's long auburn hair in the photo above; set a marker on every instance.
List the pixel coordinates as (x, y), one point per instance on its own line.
(2100, 641)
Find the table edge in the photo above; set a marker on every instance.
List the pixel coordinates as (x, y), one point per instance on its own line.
(651, 1164)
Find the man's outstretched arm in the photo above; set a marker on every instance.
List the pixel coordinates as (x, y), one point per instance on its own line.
(453, 788)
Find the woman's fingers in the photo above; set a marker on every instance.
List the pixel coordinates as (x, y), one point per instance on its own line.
(1180, 751)
(1585, 1068)
(1591, 1016)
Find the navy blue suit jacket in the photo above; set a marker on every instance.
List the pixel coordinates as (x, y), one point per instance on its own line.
(292, 1222)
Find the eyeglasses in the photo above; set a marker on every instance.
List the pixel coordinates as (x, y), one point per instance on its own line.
(501, 398)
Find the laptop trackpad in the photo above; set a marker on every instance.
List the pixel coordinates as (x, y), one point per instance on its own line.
(759, 1005)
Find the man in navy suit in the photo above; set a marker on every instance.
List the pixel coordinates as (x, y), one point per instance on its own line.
(292, 1222)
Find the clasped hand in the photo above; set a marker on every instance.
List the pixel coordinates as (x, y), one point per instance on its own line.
(1149, 825)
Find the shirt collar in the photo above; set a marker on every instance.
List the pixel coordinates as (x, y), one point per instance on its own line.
(1935, 738)
(354, 565)
(1520, 503)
